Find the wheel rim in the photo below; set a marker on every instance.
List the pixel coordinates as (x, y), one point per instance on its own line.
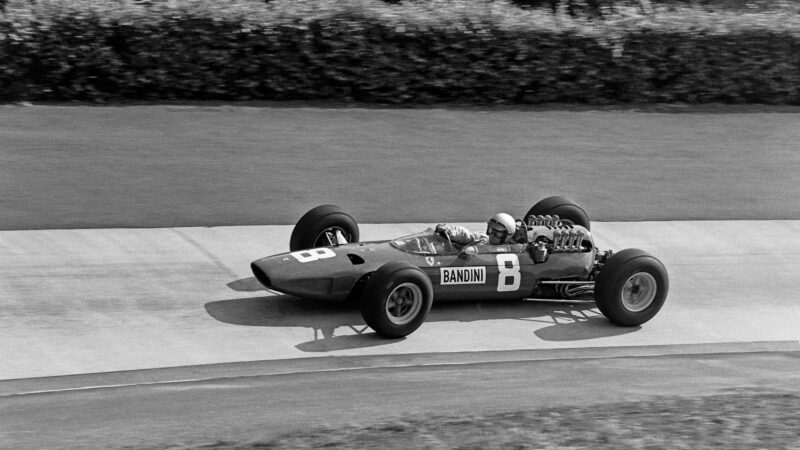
(332, 236)
(639, 291)
(404, 303)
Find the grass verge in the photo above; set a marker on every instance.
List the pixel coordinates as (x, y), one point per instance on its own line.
(735, 420)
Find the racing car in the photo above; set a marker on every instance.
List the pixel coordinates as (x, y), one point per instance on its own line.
(553, 255)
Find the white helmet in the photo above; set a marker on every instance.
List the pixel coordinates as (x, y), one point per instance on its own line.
(506, 221)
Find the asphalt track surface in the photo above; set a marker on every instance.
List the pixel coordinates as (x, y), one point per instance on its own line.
(156, 336)
(130, 336)
(82, 301)
(179, 166)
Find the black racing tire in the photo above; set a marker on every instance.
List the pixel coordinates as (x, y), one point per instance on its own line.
(631, 287)
(396, 299)
(313, 229)
(564, 208)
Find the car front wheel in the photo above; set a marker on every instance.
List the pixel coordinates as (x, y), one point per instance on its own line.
(323, 226)
(396, 299)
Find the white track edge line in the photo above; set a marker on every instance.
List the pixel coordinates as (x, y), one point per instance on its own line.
(294, 372)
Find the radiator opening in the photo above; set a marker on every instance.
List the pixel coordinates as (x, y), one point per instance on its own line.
(260, 275)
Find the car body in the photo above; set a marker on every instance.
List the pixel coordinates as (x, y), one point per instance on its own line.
(478, 272)
(395, 281)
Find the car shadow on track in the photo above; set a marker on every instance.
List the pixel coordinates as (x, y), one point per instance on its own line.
(559, 321)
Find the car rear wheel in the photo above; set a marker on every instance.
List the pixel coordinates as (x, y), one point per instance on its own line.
(323, 226)
(396, 299)
(564, 208)
(631, 288)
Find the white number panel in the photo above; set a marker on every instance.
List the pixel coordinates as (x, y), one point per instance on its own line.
(510, 276)
(313, 254)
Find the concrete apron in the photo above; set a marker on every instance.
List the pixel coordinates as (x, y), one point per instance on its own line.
(85, 301)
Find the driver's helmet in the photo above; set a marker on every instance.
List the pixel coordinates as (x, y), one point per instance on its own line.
(500, 226)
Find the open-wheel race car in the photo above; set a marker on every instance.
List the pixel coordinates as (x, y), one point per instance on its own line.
(395, 282)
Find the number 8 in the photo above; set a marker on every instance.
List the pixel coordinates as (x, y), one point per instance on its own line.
(313, 254)
(507, 272)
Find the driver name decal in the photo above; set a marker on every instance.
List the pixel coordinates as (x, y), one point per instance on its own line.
(462, 275)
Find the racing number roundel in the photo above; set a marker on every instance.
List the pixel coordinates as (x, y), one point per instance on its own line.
(313, 254)
(510, 277)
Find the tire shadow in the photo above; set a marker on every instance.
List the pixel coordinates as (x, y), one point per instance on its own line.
(286, 311)
(573, 324)
(568, 321)
(565, 321)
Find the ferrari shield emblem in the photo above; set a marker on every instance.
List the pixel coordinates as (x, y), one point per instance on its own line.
(429, 260)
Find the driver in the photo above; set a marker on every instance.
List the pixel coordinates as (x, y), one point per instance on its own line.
(499, 230)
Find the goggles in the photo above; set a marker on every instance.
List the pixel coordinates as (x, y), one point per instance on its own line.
(499, 232)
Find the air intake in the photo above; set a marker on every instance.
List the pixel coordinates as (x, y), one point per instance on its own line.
(355, 259)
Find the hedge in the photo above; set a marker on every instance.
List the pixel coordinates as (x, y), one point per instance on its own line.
(599, 5)
(470, 51)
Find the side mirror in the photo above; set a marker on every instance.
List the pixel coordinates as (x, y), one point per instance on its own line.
(469, 250)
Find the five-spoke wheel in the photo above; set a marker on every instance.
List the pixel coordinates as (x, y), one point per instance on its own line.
(404, 303)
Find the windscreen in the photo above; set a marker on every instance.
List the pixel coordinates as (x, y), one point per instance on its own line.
(424, 243)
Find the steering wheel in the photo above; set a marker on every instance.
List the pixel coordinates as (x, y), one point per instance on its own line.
(443, 234)
(431, 247)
